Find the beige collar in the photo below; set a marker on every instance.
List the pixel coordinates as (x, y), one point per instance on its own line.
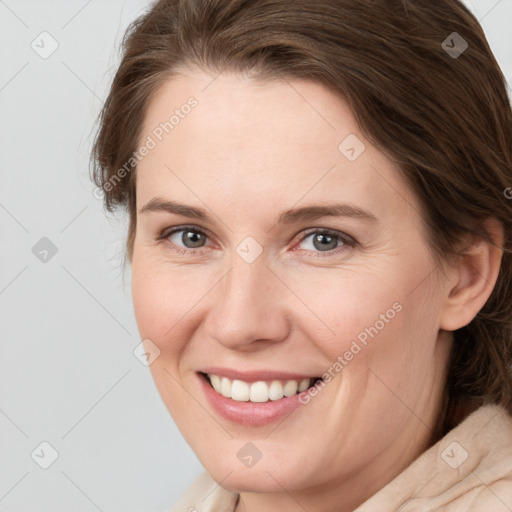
(470, 469)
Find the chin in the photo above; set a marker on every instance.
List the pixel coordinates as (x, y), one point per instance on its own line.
(261, 480)
(269, 474)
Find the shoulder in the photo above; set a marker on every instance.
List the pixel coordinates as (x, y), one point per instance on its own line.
(205, 495)
(479, 451)
(489, 454)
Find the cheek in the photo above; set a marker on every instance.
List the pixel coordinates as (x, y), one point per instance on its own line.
(345, 304)
(150, 301)
(380, 318)
(162, 302)
(163, 299)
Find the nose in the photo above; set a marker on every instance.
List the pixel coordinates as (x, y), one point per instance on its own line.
(248, 307)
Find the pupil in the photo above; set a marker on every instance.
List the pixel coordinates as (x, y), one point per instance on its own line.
(192, 239)
(331, 242)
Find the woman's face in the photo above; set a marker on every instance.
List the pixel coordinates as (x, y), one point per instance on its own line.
(296, 252)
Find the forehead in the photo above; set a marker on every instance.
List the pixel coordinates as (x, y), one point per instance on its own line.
(289, 140)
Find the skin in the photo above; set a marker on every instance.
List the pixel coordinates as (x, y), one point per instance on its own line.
(247, 152)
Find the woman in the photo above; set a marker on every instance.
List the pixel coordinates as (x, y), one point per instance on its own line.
(320, 248)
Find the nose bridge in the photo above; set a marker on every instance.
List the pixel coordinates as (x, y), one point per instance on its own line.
(246, 287)
(246, 304)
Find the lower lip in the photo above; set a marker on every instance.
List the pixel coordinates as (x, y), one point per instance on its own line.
(249, 413)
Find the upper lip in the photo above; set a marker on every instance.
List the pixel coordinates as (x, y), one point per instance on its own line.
(256, 375)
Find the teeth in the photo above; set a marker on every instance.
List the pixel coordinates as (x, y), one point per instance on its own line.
(215, 380)
(225, 387)
(304, 384)
(240, 391)
(275, 391)
(290, 388)
(260, 391)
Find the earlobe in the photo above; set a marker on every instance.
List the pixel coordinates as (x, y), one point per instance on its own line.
(474, 277)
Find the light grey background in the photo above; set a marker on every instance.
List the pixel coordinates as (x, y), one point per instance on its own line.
(67, 370)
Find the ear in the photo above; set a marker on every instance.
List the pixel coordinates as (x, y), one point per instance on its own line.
(472, 278)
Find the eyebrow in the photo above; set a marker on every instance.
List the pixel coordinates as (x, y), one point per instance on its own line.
(287, 217)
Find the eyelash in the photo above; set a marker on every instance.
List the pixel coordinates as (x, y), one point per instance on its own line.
(346, 240)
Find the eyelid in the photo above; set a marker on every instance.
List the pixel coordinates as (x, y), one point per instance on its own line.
(167, 232)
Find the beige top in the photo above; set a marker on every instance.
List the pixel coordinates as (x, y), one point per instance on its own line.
(470, 469)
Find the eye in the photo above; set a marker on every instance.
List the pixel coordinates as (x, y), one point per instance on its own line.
(326, 241)
(191, 239)
(185, 238)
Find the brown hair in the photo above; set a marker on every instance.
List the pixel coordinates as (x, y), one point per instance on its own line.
(444, 118)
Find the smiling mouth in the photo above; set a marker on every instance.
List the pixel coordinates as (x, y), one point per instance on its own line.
(259, 391)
